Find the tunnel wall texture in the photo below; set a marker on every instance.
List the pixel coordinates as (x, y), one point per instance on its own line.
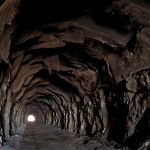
(86, 67)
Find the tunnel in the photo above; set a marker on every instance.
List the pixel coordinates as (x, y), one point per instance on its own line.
(82, 68)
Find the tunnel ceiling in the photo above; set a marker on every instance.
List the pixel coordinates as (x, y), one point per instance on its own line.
(85, 66)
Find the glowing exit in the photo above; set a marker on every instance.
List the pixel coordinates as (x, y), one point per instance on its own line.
(31, 118)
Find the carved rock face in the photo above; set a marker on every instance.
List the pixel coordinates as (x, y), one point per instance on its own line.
(86, 73)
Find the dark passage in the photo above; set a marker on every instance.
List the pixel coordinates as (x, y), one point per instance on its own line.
(81, 68)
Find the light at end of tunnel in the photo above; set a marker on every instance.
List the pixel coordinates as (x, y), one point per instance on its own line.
(31, 118)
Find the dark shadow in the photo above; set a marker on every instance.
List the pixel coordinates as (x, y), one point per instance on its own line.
(117, 113)
(1, 2)
(142, 132)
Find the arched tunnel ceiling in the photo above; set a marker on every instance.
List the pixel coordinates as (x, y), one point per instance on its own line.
(86, 67)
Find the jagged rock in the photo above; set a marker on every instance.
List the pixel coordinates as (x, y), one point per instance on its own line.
(85, 72)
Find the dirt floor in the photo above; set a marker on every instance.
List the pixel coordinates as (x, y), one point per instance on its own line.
(46, 137)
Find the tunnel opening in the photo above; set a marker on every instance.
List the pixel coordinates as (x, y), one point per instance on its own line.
(33, 114)
(31, 118)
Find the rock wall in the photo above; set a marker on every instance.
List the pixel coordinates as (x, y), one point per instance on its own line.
(86, 68)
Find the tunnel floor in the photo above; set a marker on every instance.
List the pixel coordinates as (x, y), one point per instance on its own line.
(46, 137)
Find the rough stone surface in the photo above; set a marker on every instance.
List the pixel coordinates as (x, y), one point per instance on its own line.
(85, 69)
(15, 140)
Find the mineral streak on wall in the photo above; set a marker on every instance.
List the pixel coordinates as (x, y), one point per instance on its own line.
(83, 68)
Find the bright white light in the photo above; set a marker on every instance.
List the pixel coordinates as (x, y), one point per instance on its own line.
(31, 118)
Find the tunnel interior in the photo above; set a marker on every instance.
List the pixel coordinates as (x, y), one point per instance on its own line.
(33, 114)
(81, 67)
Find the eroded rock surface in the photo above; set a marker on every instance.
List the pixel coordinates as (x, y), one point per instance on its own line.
(86, 69)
